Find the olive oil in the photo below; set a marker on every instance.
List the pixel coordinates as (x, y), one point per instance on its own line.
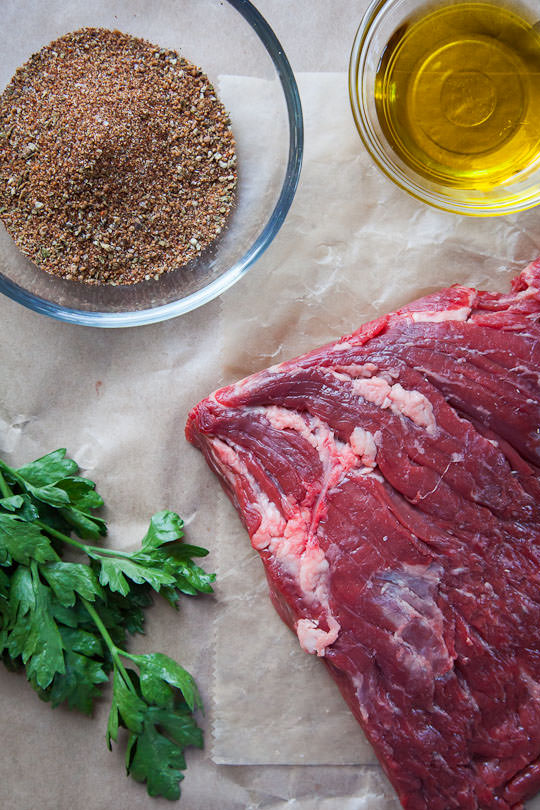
(458, 94)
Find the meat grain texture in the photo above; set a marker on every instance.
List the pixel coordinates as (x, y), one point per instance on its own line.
(390, 483)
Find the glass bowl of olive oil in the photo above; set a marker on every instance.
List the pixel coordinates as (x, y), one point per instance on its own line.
(446, 97)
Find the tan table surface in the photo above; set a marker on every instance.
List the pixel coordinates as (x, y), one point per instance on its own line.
(59, 381)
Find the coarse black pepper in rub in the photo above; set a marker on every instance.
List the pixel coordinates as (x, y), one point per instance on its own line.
(117, 160)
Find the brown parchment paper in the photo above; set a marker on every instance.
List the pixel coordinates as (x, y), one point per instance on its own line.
(360, 248)
(353, 246)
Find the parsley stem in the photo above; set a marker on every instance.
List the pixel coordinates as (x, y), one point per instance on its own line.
(114, 650)
(106, 552)
(14, 474)
(131, 657)
(4, 489)
(65, 538)
(59, 535)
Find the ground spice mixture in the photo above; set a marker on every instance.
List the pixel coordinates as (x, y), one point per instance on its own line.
(117, 160)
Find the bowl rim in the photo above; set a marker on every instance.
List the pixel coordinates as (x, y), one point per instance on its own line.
(416, 190)
(194, 300)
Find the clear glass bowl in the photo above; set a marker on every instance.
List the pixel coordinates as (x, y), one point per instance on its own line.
(225, 39)
(380, 22)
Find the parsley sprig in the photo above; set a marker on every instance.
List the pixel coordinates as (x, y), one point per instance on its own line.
(67, 623)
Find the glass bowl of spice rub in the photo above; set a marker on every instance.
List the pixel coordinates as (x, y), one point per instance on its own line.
(148, 155)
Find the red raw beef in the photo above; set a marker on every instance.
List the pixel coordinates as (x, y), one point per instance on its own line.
(390, 483)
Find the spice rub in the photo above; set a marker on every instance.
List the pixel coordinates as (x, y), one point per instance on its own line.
(117, 160)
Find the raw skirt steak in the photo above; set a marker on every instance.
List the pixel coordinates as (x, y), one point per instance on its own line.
(390, 483)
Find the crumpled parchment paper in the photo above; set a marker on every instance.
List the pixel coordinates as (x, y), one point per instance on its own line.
(352, 247)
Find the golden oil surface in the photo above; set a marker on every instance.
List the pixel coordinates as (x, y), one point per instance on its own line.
(458, 94)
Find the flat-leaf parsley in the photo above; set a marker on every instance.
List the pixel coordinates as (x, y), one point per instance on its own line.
(66, 623)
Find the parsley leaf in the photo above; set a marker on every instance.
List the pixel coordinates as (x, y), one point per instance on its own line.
(157, 709)
(163, 562)
(155, 754)
(32, 631)
(12, 503)
(22, 542)
(85, 671)
(165, 527)
(48, 469)
(158, 670)
(114, 572)
(66, 579)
